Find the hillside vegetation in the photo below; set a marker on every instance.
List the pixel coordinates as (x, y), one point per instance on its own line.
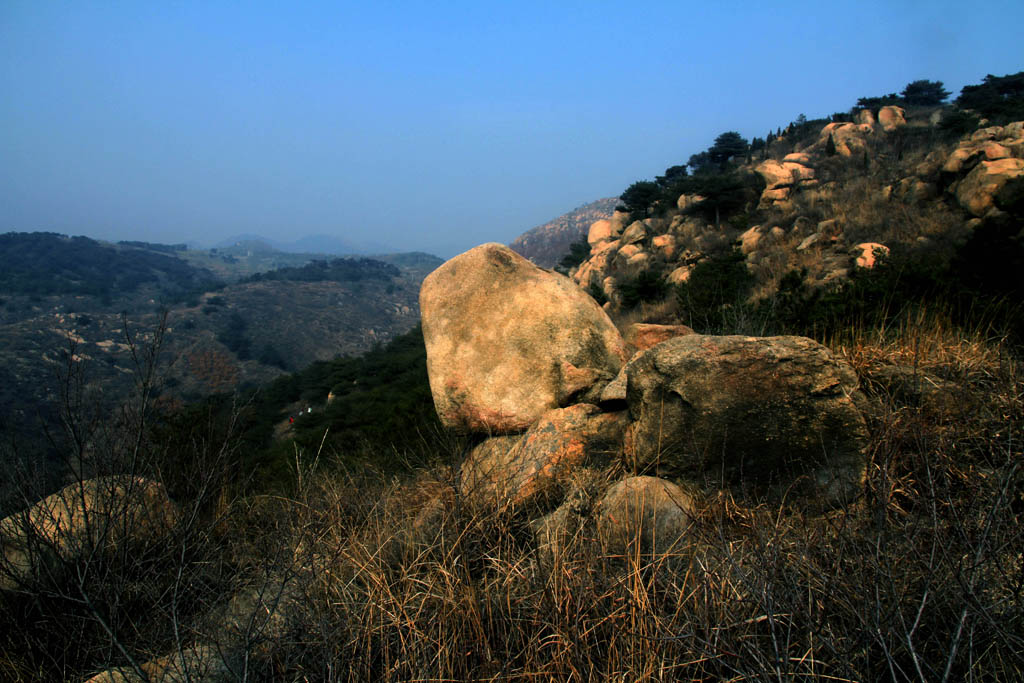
(343, 545)
(75, 306)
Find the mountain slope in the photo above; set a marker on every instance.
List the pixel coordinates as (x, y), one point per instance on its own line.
(546, 244)
(70, 320)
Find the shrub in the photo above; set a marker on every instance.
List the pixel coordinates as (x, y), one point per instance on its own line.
(716, 285)
(579, 251)
(924, 93)
(647, 286)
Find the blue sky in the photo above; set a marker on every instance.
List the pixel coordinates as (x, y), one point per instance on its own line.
(434, 125)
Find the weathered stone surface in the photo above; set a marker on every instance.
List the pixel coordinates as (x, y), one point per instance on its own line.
(93, 514)
(627, 252)
(665, 245)
(891, 117)
(864, 253)
(687, 201)
(679, 275)
(849, 138)
(600, 231)
(638, 261)
(614, 393)
(507, 341)
(750, 239)
(865, 117)
(775, 195)
(977, 192)
(642, 336)
(775, 174)
(636, 232)
(810, 241)
(764, 415)
(646, 515)
(517, 469)
(618, 222)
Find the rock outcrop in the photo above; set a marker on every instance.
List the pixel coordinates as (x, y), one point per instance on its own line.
(980, 190)
(891, 117)
(507, 341)
(766, 415)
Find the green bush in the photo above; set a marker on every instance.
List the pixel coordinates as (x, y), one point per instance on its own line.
(647, 286)
(716, 285)
(579, 251)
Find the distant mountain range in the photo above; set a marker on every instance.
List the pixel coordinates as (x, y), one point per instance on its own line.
(234, 317)
(310, 244)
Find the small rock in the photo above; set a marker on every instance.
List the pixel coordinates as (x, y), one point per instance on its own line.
(644, 515)
(891, 118)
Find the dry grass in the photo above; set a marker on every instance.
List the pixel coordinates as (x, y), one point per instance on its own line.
(411, 580)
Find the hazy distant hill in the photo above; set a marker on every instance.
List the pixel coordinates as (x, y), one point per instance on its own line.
(233, 323)
(310, 244)
(546, 244)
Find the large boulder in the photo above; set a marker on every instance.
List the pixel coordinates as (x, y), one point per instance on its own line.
(518, 469)
(84, 517)
(508, 341)
(978, 192)
(761, 415)
(849, 138)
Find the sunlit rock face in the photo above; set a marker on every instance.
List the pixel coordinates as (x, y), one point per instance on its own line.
(508, 341)
(519, 469)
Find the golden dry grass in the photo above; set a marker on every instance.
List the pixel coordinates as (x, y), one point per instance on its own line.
(365, 578)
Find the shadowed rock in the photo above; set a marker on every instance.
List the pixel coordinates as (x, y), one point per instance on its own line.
(763, 415)
(198, 664)
(507, 341)
(93, 514)
(646, 515)
(517, 469)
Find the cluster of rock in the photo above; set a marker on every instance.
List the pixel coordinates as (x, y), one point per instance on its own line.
(524, 358)
(982, 175)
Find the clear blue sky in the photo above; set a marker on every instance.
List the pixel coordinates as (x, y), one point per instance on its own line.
(423, 125)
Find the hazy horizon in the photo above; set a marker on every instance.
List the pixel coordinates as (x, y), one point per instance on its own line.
(421, 127)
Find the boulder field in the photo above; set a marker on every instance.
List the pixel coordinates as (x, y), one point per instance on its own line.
(525, 359)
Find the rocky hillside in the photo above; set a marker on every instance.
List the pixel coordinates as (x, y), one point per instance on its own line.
(589, 495)
(546, 244)
(812, 206)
